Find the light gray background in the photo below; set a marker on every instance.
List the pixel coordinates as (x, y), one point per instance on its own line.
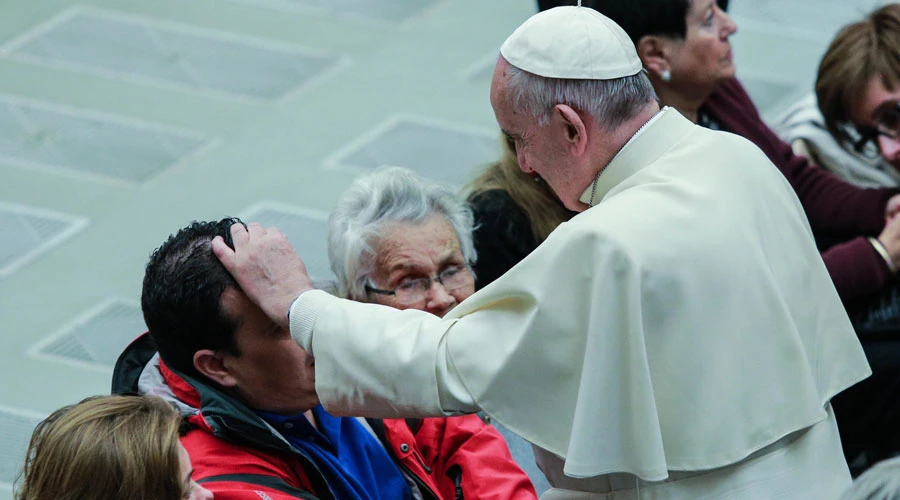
(121, 121)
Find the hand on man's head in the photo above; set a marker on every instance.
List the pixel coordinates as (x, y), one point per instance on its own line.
(266, 267)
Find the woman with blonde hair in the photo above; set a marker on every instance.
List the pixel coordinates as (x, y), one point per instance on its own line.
(109, 447)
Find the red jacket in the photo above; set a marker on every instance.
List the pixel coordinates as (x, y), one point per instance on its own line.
(837, 210)
(236, 455)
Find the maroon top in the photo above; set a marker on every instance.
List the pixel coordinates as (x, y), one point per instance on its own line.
(836, 209)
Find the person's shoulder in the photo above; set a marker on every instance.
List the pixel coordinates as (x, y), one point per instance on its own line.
(446, 426)
(731, 103)
(599, 228)
(796, 118)
(131, 363)
(207, 448)
(473, 422)
(725, 138)
(724, 160)
(733, 88)
(718, 142)
(228, 468)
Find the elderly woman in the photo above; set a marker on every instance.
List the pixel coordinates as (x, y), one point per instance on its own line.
(396, 240)
(110, 448)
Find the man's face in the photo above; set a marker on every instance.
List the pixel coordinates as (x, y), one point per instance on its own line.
(877, 111)
(538, 149)
(272, 373)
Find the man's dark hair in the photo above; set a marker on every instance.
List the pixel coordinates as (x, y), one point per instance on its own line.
(638, 18)
(181, 297)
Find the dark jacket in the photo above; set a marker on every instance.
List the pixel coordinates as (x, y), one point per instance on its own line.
(236, 455)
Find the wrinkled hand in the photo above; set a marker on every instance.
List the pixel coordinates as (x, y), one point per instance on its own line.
(266, 267)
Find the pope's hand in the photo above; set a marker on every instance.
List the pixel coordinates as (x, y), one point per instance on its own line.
(266, 267)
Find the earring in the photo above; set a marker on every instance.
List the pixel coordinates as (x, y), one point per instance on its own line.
(665, 75)
(536, 176)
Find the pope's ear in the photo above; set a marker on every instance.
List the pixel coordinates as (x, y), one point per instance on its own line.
(573, 127)
(653, 51)
(212, 364)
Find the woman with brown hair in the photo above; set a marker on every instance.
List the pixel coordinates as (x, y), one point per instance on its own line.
(858, 86)
(109, 448)
(850, 125)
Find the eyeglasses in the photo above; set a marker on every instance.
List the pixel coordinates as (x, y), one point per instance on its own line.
(887, 124)
(415, 291)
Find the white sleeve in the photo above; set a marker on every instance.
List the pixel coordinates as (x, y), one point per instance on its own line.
(412, 359)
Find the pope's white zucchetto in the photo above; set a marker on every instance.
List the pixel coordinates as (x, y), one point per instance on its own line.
(574, 43)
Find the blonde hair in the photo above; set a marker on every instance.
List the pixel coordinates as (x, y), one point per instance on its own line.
(105, 448)
(859, 51)
(537, 200)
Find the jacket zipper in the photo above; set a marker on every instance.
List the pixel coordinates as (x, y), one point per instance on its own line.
(421, 462)
(378, 427)
(455, 474)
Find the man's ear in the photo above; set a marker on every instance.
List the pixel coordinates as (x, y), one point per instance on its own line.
(654, 53)
(212, 365)
(573, 127)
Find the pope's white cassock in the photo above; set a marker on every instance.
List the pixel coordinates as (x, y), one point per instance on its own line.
(683, 331)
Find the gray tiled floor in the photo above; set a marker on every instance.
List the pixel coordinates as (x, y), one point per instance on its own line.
(134, 48)
(122, 120)
(44, 135)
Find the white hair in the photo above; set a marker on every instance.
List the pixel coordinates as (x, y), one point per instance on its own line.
(881, 482)
(610, 102)
(388, 195)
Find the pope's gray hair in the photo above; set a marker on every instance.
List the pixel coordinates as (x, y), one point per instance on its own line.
(610, 102)
(881, 482)
(388, 195)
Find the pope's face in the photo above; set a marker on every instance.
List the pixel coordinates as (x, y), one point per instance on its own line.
(537, 149)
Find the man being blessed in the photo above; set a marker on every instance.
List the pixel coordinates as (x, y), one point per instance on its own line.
(680, 338)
